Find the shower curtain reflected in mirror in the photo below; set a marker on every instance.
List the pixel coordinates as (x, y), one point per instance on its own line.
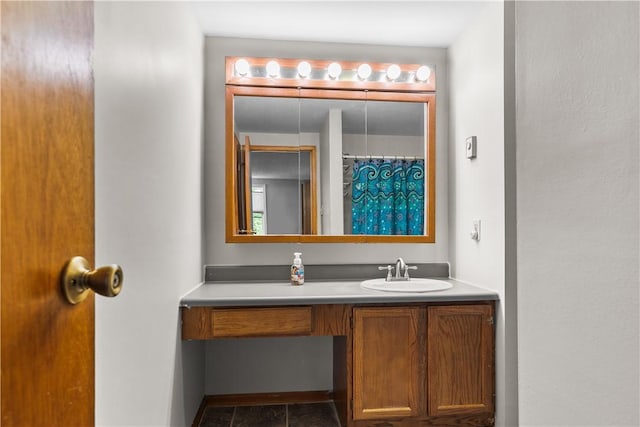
(388, 197)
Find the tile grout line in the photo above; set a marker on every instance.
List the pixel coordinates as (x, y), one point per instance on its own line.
(233, 416)
(286, 415)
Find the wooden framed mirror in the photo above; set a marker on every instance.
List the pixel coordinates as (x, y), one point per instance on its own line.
(329, 159)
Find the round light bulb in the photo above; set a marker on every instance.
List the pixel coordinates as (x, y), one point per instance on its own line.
(334, 70)
(304, 69)
(364, 71)
(242, 67)
(423, 73)
(273, 69)
(393, 72)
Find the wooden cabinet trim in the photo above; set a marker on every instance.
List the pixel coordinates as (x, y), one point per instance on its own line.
(331, 319)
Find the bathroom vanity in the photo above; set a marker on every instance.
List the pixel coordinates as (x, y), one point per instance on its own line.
(399, 359)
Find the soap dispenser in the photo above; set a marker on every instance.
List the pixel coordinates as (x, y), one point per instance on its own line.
(297, 270)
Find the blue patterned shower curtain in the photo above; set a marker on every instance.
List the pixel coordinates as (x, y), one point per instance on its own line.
(388, 197)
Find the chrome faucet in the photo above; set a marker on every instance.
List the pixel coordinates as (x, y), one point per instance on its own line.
(401, 270)
(400, 266)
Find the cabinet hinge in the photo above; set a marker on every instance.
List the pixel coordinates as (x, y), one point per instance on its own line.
(351, 406)
(490, 320)
(351, 322)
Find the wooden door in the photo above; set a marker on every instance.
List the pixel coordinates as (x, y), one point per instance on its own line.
(241, 210)
(305, 208)
(243, 187)
(248, 200)
(46, 212)
(460, 374)
(386, 362)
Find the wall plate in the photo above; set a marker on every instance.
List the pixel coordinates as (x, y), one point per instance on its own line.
(470, 146)
(475, 233)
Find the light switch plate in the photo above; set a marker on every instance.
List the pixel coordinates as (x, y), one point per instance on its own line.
(470, 145)
(475, 233)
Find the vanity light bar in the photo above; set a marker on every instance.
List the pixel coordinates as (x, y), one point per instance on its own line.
(327, 74)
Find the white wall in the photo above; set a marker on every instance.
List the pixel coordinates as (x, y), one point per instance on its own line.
(282, 205)
(577, 94)
(331, 174)
(363, 145)
(148, 127)
(477, 187)
(324, 171)
(286, 364)
(217, 252)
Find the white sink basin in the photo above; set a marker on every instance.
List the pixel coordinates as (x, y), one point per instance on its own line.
(412, 285)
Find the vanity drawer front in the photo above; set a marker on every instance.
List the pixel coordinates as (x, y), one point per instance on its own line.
(207, 323)
(248, 322)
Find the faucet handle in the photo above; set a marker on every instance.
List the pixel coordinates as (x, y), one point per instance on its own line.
(389, 268)
(407, 268)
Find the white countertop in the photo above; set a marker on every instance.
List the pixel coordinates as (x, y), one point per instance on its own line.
(238, 294)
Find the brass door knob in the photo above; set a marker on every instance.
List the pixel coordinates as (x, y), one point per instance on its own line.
(78, 278)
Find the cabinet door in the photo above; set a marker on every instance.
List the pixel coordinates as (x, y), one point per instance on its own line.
(460, 347)
(386, 356)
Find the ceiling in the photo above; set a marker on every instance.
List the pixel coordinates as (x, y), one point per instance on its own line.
(397, 23)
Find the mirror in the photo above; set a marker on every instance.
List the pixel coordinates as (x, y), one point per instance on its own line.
(317, 165)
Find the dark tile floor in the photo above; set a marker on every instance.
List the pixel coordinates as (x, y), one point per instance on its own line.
(321, 414)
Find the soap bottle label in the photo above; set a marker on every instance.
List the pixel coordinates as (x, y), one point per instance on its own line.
(297, 275)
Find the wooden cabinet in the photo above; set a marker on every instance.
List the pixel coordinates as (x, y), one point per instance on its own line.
(387, 364)
(460, 359)
(420, 365)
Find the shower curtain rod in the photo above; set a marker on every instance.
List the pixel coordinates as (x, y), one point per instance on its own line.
(381, 157)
